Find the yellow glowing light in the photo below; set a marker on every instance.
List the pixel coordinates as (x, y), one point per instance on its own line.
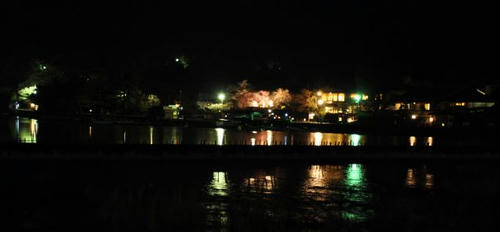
(411, 181)
(413, 116)
(335, 97)
(341, 97)
(318, 137)
(255, 104)
(427, 106)
(350, 120)
(311, 116)
(429, 180)
(269, 137)
(365, 97)
(430, 141)
(320, 102)
(442, 124)
(431, 119)
(413, 140)
(340, 119)
(319, 93)
(271, 103)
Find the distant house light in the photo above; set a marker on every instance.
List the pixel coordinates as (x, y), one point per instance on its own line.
(341, 97)
(427, 106)
(413, 116)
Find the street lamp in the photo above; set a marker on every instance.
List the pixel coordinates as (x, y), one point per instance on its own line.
(221, 97)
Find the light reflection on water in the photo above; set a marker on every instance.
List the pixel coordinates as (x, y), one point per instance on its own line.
(256, 197)
(416, 178)
(26, 130)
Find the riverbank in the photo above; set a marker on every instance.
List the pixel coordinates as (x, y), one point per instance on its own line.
(275, 125)
(243, 153)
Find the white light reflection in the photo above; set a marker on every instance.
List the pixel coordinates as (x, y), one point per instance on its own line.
(33, 130)
(252, 141)
(26, 130)
(355, 140)
(318, 137)
(150, 135)
(124, 137)
(269, 137)
(220, 135)
(219, 184)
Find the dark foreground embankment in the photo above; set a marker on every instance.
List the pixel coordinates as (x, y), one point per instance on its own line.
(241, 153)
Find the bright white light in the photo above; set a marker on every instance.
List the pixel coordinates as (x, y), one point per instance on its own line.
(413, 116)
(220, 135)
(221, 96)
(318, 137)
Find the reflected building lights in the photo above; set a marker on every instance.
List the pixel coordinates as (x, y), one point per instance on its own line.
(430, 141)
(429, 180)
(269, 137)
(318, 137)
(413, 141)
(220, 136)
(219, 184)
(355, 182)
(90, 130)
(150, 135)
(355, 140)
(26, 130)
(124, 137)
(33, 130)
(354, 175)
(411, 179)
(261, 183)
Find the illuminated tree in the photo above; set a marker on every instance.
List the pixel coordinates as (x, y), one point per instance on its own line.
(281, 97)
(306, 101)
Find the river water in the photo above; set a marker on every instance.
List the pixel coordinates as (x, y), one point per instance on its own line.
(28, 130)
(251, 196)
(165, 196)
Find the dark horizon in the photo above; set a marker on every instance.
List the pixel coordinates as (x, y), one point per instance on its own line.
(293, 44)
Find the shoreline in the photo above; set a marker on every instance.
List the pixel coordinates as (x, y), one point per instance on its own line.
(383, 130)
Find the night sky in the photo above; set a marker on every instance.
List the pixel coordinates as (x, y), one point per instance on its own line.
(288, 43)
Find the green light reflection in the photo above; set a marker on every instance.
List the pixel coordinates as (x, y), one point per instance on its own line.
(356, 195)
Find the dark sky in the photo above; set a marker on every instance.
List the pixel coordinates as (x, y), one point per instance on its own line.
(291, 43)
